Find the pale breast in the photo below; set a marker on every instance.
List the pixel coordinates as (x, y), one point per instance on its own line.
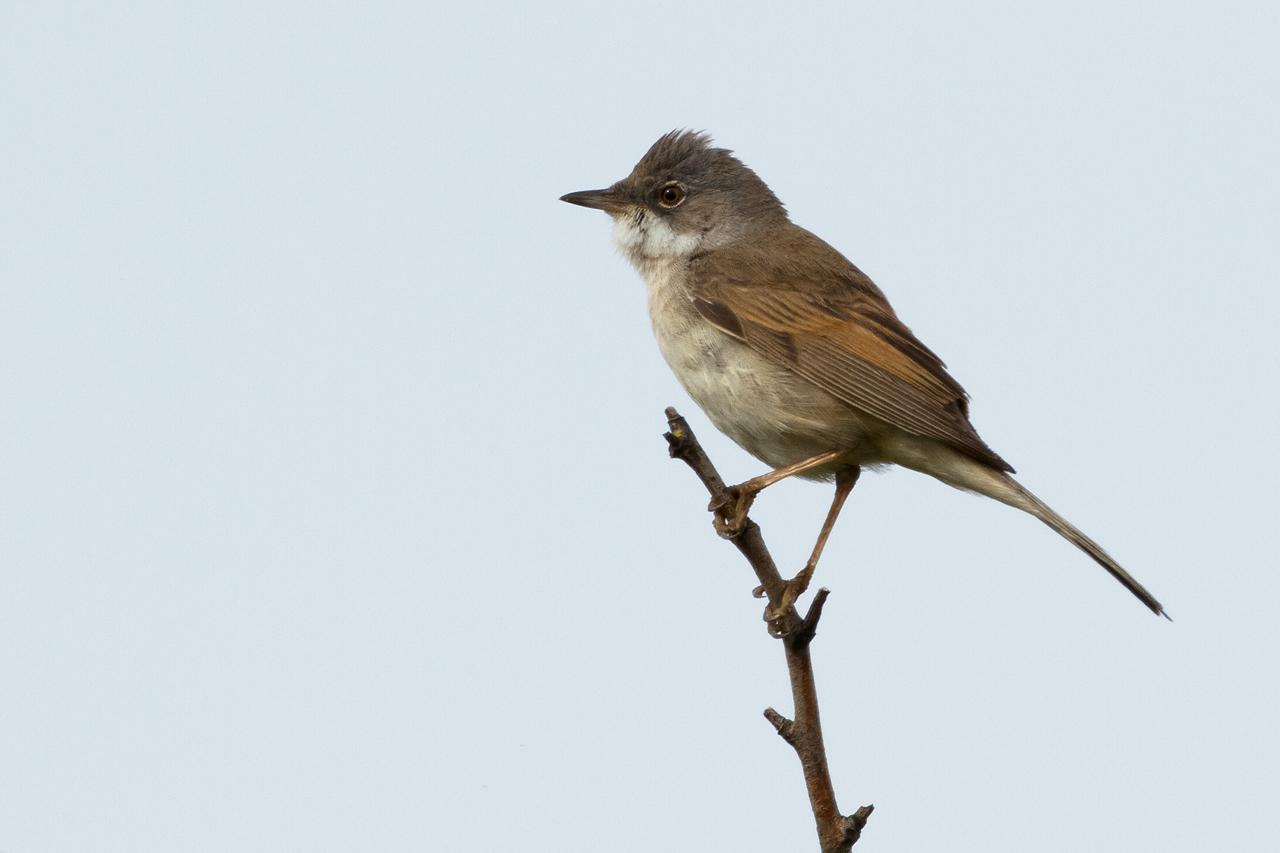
(769, 411)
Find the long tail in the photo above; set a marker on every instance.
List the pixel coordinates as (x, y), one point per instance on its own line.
(960, 471)
(1068, 531)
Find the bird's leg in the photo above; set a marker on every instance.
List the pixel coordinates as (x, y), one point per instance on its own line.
(846, 478)
(731, 505)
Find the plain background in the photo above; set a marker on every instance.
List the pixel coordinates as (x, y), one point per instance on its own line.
(334, 512)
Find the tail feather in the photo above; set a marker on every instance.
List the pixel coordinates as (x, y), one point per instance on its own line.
(963, 472)
(1072, 534)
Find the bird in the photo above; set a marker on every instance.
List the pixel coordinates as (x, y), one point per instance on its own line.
(790, 349)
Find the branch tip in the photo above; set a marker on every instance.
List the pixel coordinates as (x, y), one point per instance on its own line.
(784, 727)
(808, 627)
(854, 823)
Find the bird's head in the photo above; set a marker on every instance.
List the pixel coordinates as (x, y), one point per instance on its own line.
(684, 196)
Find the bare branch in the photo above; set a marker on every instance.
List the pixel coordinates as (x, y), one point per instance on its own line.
(837, 833)
(685, 447)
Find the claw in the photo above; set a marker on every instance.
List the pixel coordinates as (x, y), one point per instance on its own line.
(793, 590)
(730, 508)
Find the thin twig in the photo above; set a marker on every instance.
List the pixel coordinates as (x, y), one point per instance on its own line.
(808, 627)
(837, 833)
(780, 723)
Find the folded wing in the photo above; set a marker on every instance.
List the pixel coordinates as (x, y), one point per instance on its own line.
(824, 319)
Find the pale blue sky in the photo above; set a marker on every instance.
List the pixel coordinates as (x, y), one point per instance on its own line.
(334, 512)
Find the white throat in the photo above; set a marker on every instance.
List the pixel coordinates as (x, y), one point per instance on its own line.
(642, 236)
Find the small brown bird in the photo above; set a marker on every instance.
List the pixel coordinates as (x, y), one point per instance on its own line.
(789, 348)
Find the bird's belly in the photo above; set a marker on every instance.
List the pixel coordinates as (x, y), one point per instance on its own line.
(773, 414)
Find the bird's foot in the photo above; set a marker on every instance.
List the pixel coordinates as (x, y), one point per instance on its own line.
(730, 508)
(792, 590)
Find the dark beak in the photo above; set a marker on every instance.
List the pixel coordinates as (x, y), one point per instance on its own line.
(610, 201)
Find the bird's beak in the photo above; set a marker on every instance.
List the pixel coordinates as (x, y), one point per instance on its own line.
(610, 200)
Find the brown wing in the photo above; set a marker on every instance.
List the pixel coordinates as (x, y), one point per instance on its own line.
(800, 303)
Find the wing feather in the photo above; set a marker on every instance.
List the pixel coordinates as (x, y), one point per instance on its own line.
(826, 321)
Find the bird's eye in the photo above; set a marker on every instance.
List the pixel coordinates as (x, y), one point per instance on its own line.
(670, 195)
